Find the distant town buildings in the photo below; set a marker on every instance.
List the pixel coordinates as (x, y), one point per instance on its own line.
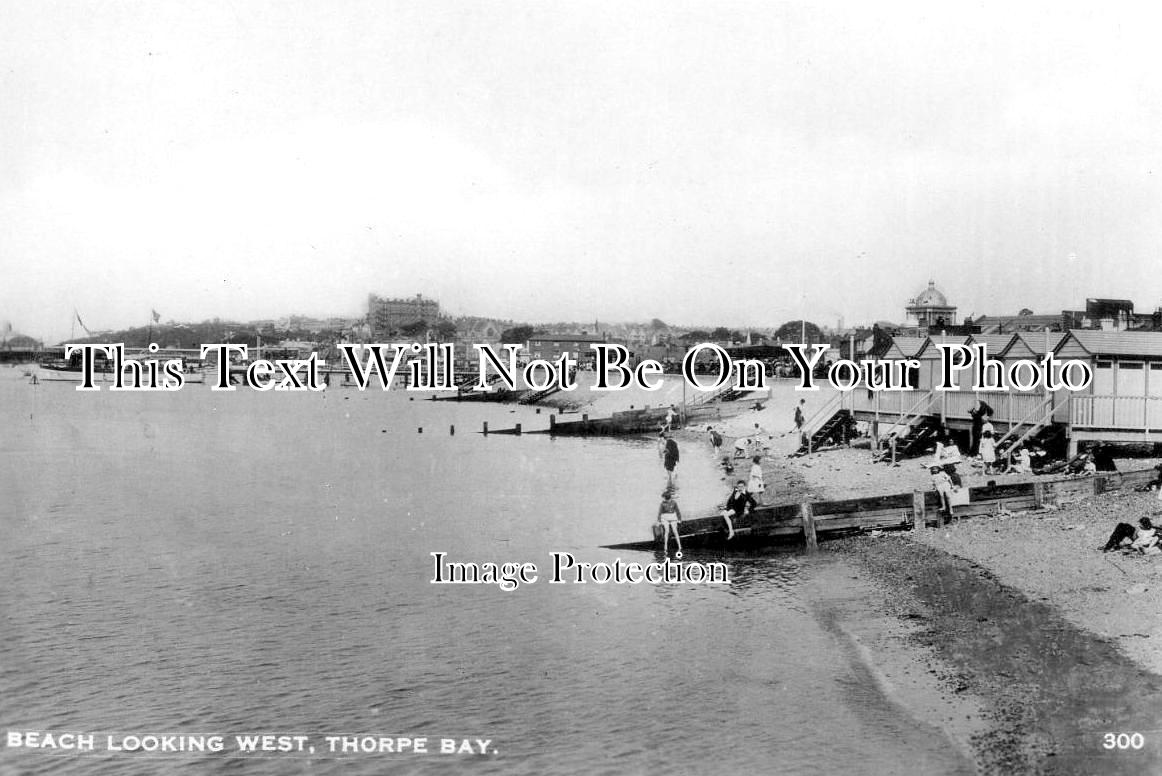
(552, 346)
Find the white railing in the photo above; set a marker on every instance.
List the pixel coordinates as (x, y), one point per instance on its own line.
(1138, 413)
(902, 403)
(1008, 406)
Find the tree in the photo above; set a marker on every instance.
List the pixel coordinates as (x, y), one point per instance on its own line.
(445, 330)
(657, 324)
(414, 330)
(881, 340)
(692, 337)
(720, 334)
(792, 331)
(517, 334)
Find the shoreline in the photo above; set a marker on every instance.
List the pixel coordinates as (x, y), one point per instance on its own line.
(1050, 690)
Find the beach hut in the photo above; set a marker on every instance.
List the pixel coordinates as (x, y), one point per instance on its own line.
(1123, 402)
(929, 356)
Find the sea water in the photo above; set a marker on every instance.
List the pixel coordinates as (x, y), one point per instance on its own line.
(197, 563)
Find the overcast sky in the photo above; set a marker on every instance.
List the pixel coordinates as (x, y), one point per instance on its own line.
(715, 162)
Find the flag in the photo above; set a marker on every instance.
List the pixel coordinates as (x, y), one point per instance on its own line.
(156, 315)
(83, 326)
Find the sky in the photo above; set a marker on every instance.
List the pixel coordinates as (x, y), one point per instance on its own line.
(719, 163)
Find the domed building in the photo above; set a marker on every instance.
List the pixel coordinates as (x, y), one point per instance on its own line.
(930, 308)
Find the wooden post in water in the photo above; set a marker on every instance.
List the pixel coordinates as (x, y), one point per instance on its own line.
(452, 430)
(486, 428)
(518, 429)
(552, 423)
(809, 526)
(919, 518)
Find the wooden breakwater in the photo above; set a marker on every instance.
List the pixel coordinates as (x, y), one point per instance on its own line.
(646, 420)
(810, 521)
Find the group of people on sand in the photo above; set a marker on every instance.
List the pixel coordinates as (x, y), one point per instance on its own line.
(739, 502)
(1144, 539)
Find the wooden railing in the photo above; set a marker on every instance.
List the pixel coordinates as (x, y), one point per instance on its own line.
(1036, 416)
(1136, 413)
(1008, 406)
(902, 403)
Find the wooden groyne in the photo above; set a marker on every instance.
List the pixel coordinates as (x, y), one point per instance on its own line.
(810, 521)
(627, 423)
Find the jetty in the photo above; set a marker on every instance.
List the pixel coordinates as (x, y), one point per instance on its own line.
(810, 521)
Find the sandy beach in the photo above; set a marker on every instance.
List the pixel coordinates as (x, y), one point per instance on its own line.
(1021, 615)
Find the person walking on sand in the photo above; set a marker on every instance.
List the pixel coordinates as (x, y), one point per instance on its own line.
(799, 418)
(738, 504)
(669, 456)
(715, 440)
(669, 515)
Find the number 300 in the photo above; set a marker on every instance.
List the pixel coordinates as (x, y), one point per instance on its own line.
(1123, 741)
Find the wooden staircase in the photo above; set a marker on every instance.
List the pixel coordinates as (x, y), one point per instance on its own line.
(835, 430)
(919, 438)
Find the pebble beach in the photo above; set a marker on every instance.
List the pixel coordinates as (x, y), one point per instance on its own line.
(1021, 614)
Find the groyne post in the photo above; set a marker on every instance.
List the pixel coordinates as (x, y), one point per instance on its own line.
(809, 526)
(485, 428)
(919, 518)
(518, 429)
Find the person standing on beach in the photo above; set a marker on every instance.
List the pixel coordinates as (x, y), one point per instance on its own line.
(988, 451)
(978, 415)
(799, 418)
(943, 485)
(755, 484)
(669, 456)
(669, 515)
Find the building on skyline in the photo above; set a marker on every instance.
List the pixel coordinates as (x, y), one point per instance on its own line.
(552, 346)
(930, 308)
(388, 315)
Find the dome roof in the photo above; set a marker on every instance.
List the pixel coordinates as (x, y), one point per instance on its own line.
(930, 297)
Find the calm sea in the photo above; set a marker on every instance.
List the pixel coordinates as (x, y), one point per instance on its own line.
(199, 564)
